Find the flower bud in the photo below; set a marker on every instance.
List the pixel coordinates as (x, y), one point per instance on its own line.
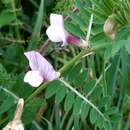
(76, 41)
(110, 28)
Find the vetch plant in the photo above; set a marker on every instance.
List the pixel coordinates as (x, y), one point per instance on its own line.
(41, 70)
(57, 33)
(89, 87)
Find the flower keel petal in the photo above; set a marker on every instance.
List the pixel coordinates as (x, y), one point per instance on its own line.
(53, 34)
(34, 78)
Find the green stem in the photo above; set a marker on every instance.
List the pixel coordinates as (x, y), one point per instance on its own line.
(82, 97)
(89, 28)
(17, 32)
(64, 119)
(104, 81)
(77, 58)
(97, 82)
(34, 3)
(9, 92)
(119, 126)
(69, 124)
(41, 88)
(127, 125)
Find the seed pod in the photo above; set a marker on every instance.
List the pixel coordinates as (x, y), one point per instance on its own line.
(110, 28)
(16, 123)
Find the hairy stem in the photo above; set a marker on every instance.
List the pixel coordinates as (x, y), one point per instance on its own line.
(82, 97)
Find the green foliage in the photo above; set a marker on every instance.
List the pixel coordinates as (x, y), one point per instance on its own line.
(63, 6)
(79, 21)
(118, 11)
(6, 17)
(78, 106)
(69, 101)
(37, 28)
(31, 109)
(7, 104)
(101, 78)
(6, 79)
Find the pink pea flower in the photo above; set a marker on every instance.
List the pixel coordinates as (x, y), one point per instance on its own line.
(41, 70)
(57, 33)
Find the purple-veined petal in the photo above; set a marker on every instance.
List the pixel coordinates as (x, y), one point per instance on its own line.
(34, 78)
(39, 63)
(32, 58)
(52, 75)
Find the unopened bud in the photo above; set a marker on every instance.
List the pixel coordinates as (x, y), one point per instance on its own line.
(110, 28)
(73, 40)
